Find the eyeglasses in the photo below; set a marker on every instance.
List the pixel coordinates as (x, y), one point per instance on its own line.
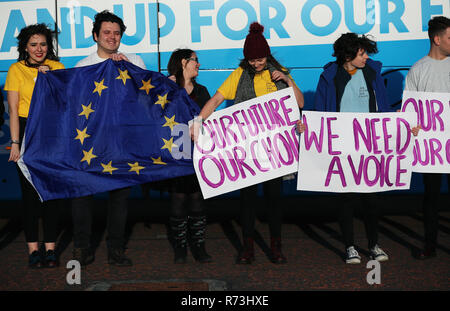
(193, 58)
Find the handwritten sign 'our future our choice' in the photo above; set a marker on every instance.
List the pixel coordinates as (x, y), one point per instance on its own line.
(248, 143)
(356, 152)
(432, 146)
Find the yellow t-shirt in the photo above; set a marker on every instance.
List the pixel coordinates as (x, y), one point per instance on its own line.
(22, 79)
(262, 81)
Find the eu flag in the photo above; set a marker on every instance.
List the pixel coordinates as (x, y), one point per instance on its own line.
(103, 127)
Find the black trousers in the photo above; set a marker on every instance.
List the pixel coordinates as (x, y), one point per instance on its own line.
(370, 207)
(432, 183)
(116, 219)
(33, 208)
(272, 194)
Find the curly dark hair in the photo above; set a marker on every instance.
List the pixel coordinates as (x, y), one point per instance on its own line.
(436, 26)
(347, 46)
(24, 36)
(174, 66)
(106, 16)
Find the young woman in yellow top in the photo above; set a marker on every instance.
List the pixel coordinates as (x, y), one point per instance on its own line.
(259, 73)
(36, 54)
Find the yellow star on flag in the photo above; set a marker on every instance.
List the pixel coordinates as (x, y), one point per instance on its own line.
(88, 156)
(123, 75)
(146, 86)
(99, 87)
(168, 144)
(86, 111)
(135, 167)
(158, 161)
(162, 100)
(108, 168)
(82, 135)
(170, 122)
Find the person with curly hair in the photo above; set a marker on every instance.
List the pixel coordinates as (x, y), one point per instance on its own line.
(258, 74)
(353, 83)
(36, 54)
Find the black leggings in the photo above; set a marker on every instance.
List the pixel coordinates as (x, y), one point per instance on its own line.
(33, 209)
(370, 213)
(432, 183)
(184, 204)
(272, 194)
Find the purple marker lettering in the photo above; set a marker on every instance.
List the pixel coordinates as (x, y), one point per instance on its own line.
(286, 111)
(374, 135)
(436, 115)
(226, 129)
(356, 175)
(330, 137)
(203, 174)
(239, 124)
(275, 106)
(290, 159)
(358, 130)
(399, 171)
(213, 146)
(386, 136)
(418, 152)
(225, 166)
(335, 160)
(241, 161)
(435, 148)
(313, 138)
(369, 182)
(401, 150)
(386, 174)
(255, 158)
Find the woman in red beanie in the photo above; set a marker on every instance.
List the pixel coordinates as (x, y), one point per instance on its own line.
(258, 74)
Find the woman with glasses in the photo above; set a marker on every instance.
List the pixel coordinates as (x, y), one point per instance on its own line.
(187, 216)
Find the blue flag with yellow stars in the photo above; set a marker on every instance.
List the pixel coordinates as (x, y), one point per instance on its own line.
(103, 127)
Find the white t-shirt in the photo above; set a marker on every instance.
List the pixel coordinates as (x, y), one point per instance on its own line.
(95, 59)
(429, 75)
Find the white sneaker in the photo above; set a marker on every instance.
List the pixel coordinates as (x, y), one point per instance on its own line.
(378, 254)
(352, 256)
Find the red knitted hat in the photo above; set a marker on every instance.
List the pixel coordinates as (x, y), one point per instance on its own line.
(256, 45)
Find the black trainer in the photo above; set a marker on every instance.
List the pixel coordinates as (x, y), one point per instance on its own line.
(116, 256)
(83, 255)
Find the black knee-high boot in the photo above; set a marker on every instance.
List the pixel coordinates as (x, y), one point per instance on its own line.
(179, 230)
(197, 228)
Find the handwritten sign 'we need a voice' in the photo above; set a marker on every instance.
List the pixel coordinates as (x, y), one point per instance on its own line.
(248, 143)
(355, 152)
(432, 146)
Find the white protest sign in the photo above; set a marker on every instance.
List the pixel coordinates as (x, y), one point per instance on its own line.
(355, 152)
(248, 143)
(432, 146)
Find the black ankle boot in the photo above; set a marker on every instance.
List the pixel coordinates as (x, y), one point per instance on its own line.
(197, 228)
(179, 230)
(247, 255)
(277, 255)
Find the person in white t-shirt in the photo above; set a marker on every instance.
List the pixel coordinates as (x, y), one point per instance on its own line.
(432, 74)
(107, 32)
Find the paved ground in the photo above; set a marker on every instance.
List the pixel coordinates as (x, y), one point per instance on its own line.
(311, 243)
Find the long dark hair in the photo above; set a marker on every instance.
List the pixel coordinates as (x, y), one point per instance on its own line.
(175, 67)
(270, 59)
(24, 36)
